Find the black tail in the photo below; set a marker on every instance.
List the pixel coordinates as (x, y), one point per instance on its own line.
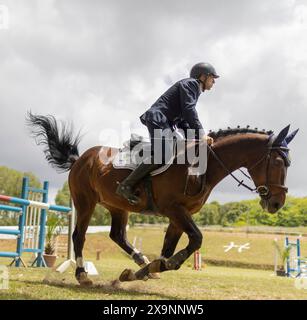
(61, 148)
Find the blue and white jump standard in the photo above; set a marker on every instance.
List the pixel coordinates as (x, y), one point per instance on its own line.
(32, 222)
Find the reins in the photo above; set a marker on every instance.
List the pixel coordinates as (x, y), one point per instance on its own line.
(262, 190)
(241, 182)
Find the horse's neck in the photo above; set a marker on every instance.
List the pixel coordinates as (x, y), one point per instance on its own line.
(235, 152)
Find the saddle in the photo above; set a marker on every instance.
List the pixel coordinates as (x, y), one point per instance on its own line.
(138, 148)
(135, 140)
(134, 151)
(130, 155)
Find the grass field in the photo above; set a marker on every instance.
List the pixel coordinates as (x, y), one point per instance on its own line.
(213, 282)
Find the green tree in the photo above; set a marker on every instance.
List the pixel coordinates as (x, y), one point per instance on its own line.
(11, 181)
(11, 185)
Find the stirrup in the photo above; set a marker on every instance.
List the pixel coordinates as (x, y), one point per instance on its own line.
(127, 193)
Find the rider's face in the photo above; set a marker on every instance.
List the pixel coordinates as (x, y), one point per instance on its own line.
(207, 82)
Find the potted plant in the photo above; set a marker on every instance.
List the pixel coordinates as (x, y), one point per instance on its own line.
(283, 254)
(54, 227)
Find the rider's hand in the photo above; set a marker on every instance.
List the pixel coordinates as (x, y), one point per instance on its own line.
(207, 140)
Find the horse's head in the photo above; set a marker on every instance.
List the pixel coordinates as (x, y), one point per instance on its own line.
(269, 173)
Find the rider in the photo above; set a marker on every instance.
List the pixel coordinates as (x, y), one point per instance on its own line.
(176, 107)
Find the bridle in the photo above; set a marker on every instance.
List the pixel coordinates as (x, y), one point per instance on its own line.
(263, 190)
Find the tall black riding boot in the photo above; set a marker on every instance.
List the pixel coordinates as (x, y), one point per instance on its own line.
(125, 188)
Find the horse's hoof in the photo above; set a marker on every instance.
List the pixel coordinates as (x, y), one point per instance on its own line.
(84, 280)
(127, 275)
(154, 275)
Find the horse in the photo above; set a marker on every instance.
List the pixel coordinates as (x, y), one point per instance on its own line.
(94, 181)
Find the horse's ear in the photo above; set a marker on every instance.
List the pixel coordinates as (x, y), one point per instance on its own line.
(281, 136)
(290, 137)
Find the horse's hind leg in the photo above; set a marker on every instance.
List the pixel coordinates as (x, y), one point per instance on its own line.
(119, 235)
(171, 239)
(85, 206)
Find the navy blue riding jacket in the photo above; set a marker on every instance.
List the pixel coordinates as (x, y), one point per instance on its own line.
(176, 107)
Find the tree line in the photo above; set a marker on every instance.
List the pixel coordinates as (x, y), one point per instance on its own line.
(240, 213)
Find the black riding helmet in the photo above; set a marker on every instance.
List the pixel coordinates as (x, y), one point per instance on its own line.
(203, 68)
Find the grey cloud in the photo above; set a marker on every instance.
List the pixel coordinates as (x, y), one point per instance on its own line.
(100, 62)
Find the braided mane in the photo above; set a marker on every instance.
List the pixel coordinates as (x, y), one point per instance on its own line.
(231, 131)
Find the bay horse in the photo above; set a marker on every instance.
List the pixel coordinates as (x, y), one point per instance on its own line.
(93, 181)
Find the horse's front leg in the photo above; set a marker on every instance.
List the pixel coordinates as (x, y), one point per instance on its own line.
(183, 221)
(171, 240)
(119, 235)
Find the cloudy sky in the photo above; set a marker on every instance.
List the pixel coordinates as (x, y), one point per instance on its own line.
(100, 64)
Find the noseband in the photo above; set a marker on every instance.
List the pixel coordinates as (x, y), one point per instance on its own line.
(263, 190)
